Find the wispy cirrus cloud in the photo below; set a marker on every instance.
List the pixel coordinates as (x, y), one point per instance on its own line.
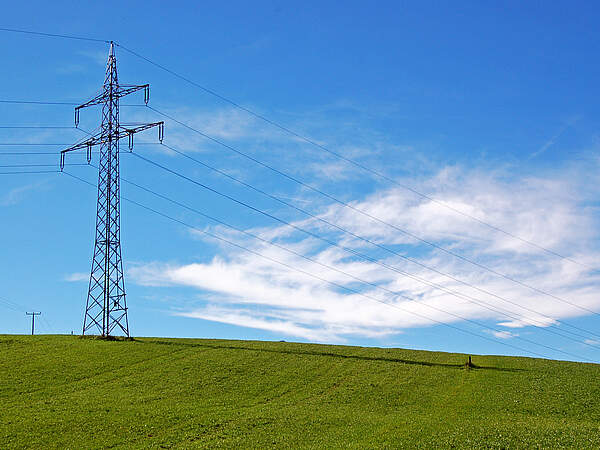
(223, 123)
(99, 57)
(17, 194)
(550, 142)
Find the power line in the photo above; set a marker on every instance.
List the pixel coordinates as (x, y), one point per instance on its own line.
(252, 235)
(50, 103)
(29, 172)
(36, 144)
(40, 165)
(350, 233)
(9, 306)
(35, 102)
(54, 35)
(304, 138)
(352, 161)
(16, 306)
(43, 127)
(50, 328)
(337, 285)
(29, 153)
(347, 205)
(57, 153)
(22, 144)
(359, 254)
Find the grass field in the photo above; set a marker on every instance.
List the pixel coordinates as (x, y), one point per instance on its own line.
(68, 392)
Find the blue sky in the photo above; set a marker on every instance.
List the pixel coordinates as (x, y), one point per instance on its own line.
(488, 107)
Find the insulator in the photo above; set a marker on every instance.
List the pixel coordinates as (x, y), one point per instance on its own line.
(146, 94)
(161, 132)
(76, 117)
(89, 153)
(130, 141)
(62, 161)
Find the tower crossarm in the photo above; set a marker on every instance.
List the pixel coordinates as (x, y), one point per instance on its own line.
(126, 89)
(95, 140)
(118, 92)
(98, 100)
(121, 132)
(126, 130)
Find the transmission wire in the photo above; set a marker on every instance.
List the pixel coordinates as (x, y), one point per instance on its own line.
(351, 161)
(29, 172)
(63, 36)
(329, 241)
(350, 233)
(345, 204)
(302, 137)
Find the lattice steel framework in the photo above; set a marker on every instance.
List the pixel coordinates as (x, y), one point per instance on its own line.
(106, 306)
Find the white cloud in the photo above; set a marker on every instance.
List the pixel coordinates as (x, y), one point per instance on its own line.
(242, 318)
(81, 64)
(545, 211)
(77, 276)
(224, 124)
(99, 57)
(333, 171)
(503, 334)
(247, 290)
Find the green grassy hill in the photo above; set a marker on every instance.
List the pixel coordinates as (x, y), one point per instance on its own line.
(68, 392)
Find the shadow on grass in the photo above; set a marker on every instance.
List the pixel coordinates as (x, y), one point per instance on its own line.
(288, 351)
(107, 338)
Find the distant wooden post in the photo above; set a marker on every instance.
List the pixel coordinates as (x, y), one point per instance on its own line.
(33, 314)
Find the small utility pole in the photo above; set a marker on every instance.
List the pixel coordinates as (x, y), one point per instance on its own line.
(33, 314)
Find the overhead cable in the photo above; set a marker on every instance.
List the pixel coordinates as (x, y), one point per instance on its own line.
(366, 214)
(54, 35)
(352, 161)
(375, 244)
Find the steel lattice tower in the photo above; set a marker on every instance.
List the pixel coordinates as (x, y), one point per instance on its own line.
(106, 306)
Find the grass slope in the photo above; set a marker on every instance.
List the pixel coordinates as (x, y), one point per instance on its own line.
(68, 392)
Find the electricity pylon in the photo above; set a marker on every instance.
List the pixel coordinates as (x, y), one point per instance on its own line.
(106, 306)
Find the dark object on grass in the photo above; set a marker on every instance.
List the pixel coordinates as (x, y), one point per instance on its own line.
(469, 364)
